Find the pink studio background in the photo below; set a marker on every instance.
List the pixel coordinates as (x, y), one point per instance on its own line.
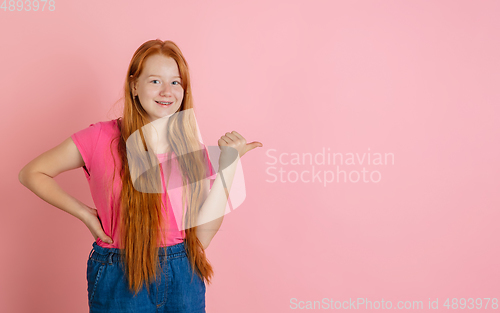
(418, 79)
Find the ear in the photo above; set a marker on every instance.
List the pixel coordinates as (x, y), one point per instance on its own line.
(133, 88)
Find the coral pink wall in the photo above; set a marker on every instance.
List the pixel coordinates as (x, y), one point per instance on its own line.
(416, 80)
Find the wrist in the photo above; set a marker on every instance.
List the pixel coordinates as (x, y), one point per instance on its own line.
(83, 213)
(227, 158)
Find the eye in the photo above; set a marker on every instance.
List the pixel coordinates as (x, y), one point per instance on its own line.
(178, 83)
(155, 80)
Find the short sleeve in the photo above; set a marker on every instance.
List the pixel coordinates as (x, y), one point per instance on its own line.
(86, 142)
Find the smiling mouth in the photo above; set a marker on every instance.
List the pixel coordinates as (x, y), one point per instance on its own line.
(164, 103)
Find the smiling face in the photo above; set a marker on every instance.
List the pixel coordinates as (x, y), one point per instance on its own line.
(159, 81)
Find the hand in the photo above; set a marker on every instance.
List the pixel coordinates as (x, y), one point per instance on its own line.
(237, 143)
(93, 223)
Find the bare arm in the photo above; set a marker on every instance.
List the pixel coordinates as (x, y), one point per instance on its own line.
(233, 146)
(212, 211)
(38, 176)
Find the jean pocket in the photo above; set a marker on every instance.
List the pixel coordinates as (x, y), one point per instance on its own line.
(94, 273)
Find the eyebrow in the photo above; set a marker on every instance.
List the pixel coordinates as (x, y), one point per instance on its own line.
(160, 76)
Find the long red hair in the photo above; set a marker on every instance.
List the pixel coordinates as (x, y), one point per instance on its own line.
(140, 209)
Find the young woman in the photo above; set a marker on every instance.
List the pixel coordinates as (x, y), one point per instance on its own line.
(148, 173)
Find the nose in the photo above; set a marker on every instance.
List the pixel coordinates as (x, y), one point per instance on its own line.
(166, 90)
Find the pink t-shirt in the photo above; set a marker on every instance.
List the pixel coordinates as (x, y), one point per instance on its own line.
(93, 143)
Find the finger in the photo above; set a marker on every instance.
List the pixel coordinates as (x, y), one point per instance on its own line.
(223, 141)
(106, 239)
(252, 145)
(238, 135)
(232, 137)
(255, 144)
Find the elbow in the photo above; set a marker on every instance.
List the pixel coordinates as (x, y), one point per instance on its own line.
(205, 244)
(22, 177)
(203, 241)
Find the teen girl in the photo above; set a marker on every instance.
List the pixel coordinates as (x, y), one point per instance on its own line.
(147, 171)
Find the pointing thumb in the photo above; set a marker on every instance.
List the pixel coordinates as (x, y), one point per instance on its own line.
(253, 145)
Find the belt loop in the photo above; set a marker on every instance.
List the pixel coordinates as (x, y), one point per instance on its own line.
(110, 258)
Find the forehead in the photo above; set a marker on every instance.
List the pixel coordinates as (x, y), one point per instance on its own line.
(161, 66)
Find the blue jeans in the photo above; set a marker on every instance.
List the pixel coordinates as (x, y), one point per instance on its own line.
(176, 289)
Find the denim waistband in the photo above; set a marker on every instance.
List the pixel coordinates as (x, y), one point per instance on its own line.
(110, 255)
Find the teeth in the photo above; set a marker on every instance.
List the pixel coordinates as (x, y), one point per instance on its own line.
(163, 102)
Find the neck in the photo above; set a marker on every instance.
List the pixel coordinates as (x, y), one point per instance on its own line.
(157, 131)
